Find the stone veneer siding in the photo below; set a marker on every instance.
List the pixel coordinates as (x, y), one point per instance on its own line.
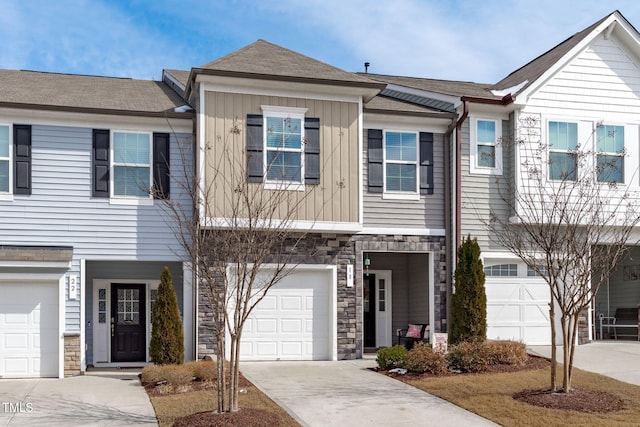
(342, 250)
(71, 354)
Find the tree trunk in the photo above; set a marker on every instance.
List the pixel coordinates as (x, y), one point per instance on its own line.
(220, 381)
(554, 363)
(233, 374)
(566, 340)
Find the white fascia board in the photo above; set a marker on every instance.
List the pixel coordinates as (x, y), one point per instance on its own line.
(280, 88)
(166, 75)
(310, 226)
(455, 100)
(408, 123)
(93, 120)
(403, 231)
(523, 98)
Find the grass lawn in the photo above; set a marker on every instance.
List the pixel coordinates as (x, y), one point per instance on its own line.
(171, 407)
(490, 395)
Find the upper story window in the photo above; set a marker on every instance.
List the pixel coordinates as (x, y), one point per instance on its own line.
(610, 153)
(5, 160)
(486, 147)
(284, 136)
(283, 148)
(131, 164)
(401, 162)
(563, 144)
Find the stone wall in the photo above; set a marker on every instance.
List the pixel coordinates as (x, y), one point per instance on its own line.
(72, 358)
(342, 250)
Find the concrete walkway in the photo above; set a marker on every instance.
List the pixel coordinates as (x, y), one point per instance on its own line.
(615, 359)
(346, 393)
(100, 398)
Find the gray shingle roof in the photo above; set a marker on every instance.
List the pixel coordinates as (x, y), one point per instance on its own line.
(384, 104)
(181, 76)
(267, 60)
(445, 87)
(70, 92)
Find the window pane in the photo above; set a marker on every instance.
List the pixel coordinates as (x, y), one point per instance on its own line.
(401, 146)
(562, 166)
(610, 168)
(486, 131)
(610, 139)
(4, 141)
(563, 136)
(4, 176)
(502, 270)
(401, 177)
(131, 181)
(487, 156)
(284, 132)
(283, 166)
(131, 148)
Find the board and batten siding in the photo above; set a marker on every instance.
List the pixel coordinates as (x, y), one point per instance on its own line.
(61, 212)
(428, 212)
(481, 194)
(335, 199)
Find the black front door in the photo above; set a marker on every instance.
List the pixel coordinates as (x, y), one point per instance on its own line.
(369, 289)
(128, 321)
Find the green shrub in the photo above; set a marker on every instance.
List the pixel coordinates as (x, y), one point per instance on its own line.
(151, 374)
(469, 301)
(167, 337)
(467, 357)
(503, 352)
(391, 357)
(176, 375)
(421, 358)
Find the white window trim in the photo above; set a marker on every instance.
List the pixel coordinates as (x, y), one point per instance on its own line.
(117, 199)
(400, 195)
(473, 157)
(545, 136)
(8, 196)
(283, 112)
(623, 155)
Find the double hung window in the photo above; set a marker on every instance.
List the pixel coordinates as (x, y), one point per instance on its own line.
(563, 145)
(610, 153)
(5, 160)
(401, 162)
(131, 164)
(284, 136)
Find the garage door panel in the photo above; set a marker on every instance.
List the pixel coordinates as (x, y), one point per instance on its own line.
(536, 293)
(503, 313)
(29, 335)
(299, 329)
(537, 313)
(505, 333)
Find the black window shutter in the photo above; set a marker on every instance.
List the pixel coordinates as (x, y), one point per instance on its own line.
(161, 178)
(22, 159)
(374, 143)
(100, 157)
(312, 151)
(426, 163)
(255, 146)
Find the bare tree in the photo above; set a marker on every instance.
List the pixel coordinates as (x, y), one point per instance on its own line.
(567, 219)
(239, 238)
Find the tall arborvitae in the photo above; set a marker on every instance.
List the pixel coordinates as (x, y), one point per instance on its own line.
(469, 301)
(167, 337)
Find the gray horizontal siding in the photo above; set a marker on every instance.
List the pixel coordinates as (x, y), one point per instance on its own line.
(60, 211)
(428, 212)
(481, 194)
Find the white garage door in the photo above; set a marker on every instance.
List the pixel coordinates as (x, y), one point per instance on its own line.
(293, 322)
(517, 304)
(29, 330)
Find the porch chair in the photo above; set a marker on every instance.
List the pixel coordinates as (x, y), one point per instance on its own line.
(415, 332)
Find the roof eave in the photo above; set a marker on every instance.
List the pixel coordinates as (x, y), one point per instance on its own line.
(70, 109)
(425, 114)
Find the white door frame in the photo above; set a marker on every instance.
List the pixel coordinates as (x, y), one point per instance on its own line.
(384, 332)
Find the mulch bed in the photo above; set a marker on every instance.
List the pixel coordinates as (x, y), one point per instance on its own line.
(576, 400)
(156, 389)
(246, 417)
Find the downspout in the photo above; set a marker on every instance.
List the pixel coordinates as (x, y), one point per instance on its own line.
(458, 205)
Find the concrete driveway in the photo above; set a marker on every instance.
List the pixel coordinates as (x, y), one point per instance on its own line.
(615, 359)
(345, 393)
(100, 398)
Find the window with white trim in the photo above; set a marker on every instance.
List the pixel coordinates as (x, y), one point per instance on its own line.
(5, 159)
(284, 146)
(486, 147)
(563, 144)
(131, 164)
(501, 270)
(401, 162)
(610, 153)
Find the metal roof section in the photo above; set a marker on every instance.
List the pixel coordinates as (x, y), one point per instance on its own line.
(419, 100)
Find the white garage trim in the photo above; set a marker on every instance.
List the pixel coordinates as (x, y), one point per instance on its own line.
(329, 271)
(47, 279)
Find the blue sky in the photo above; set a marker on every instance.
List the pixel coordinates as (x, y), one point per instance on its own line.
(446, 39)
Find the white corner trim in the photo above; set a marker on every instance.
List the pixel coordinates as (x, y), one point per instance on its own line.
(187, 310)
(83, 315)
(61, 314)
(360, 162)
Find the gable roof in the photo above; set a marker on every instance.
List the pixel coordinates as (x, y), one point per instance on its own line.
(80, 93)
(264, 60)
